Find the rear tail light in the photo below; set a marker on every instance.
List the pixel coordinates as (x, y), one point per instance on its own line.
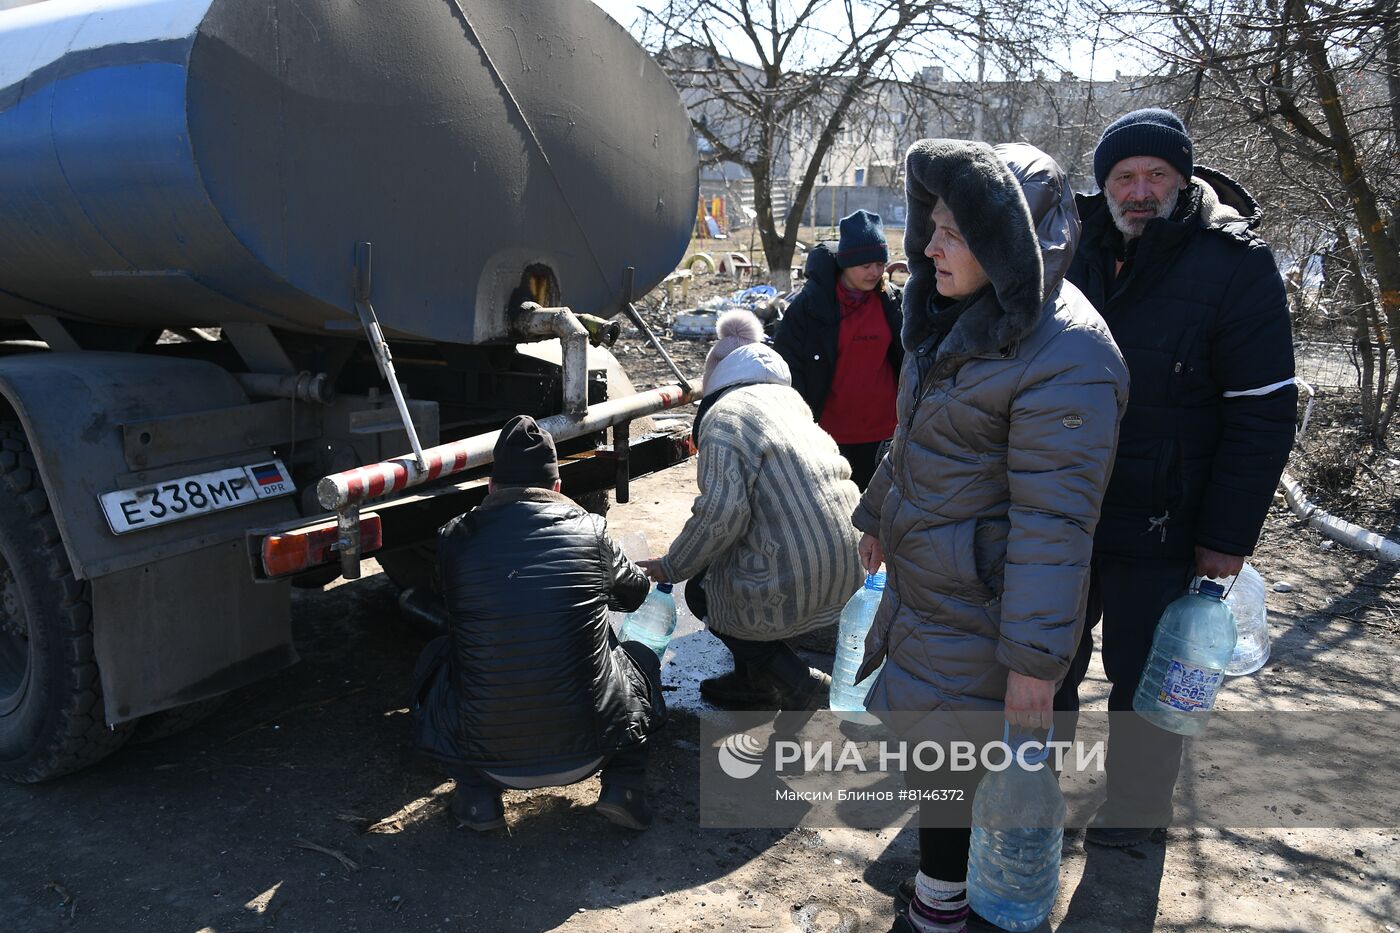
(294, 551)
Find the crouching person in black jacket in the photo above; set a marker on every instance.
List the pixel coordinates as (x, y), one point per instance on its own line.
(531, 688)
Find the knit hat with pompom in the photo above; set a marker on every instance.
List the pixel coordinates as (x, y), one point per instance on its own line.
(734, 329)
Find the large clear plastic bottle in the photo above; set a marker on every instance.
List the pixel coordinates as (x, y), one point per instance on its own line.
(1018, 818)
(848, 697)
(635, 546)
(1246, 602)
(654, 621)
(1190, 652)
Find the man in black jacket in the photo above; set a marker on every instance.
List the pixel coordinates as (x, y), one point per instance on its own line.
(1197, 307)
(531, 688)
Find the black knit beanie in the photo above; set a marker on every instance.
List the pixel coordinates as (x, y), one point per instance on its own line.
(862, 240)
(1150, 132)
(525, 455)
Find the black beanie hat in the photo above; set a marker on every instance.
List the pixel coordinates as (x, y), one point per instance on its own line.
(1150, 132)
(862, 240)
(525, 455)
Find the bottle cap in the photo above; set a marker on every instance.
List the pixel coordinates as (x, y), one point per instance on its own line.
(875, 581)
(1211, 588)
(665, 587)
(1021, 736)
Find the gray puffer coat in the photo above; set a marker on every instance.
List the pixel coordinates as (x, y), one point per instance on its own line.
(1009, 403)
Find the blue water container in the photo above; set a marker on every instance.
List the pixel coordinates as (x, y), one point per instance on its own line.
(654, 621)
(1018, 818)
(848, 697)
(1191, 651)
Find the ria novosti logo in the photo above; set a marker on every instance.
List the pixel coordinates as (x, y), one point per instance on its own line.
(740, 756)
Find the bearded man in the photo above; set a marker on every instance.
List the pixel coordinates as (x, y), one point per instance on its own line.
(1196, 304)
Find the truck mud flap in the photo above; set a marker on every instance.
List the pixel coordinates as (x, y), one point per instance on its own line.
(186, 628)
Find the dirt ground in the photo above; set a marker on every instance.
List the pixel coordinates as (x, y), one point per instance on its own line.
(301, 805)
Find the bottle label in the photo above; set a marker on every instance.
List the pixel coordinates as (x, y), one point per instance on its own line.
(1189, 688)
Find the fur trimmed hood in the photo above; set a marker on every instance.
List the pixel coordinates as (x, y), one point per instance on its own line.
(1224, 203)
(1016, 210)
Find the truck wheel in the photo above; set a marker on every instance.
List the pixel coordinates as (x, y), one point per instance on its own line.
(52, 720)
(596, 502)
(156, 726)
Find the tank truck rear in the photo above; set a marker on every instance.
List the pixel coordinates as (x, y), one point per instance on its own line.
(271, 275)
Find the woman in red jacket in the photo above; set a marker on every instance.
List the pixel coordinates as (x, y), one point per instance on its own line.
(840, 338)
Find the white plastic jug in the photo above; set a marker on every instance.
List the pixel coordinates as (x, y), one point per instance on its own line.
(1246, 601)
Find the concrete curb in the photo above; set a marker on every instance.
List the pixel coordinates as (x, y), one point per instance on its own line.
(1338, 529)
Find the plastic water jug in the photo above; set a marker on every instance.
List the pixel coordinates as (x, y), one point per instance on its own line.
(634, 545)
(1190, 652)
(654, 620)
(1018, 818)
(848, 697)
(1246, 602)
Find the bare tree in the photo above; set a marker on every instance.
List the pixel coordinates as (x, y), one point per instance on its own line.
(772, 82)
(1306, 94)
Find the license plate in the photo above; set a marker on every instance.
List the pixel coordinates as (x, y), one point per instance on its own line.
(172, 500)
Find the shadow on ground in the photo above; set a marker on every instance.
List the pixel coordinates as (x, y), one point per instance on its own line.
(302, 806)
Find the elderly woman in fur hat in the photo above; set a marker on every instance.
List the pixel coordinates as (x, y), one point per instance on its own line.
(984, 509)
(770, 528)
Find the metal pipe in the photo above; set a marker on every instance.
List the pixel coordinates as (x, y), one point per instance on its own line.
(380, 347)
(1353, 536)
(635, 316)
(622, 448)
(351, 487)
(303, 386)
(601, 333)
(347, 523)
(533, 321)
(425, 608)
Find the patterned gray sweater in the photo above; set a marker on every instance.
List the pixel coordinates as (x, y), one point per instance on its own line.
(772, 520)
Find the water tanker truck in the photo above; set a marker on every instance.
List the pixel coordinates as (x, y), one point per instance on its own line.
(271, 276)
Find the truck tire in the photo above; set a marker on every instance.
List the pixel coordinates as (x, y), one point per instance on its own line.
(156, 726)
(596, 502)
(52, 720)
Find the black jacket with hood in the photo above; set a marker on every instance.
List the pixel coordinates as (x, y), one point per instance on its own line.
(810, 330)
(1200, 316)
(535, 677)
